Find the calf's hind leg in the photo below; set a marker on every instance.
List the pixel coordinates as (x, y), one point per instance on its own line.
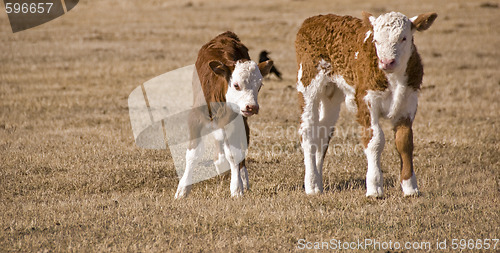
(320, 113)
(313, 181)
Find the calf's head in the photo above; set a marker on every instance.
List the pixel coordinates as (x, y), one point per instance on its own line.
(244, 80)
(393, 37)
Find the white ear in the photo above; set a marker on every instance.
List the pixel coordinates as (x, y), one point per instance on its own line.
(372, 20)
(413, 20)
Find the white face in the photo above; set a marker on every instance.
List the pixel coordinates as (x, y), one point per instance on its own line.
(244, 86)
(393, 37)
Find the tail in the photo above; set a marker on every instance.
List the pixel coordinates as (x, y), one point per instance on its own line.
(276, 72)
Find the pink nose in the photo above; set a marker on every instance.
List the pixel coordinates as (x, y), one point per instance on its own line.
(252, 108)
(388, 63)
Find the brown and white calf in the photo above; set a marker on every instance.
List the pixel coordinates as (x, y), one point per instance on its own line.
(372, 64)
(230, 83)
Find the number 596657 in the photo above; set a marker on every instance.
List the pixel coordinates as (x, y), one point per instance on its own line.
(28, 8)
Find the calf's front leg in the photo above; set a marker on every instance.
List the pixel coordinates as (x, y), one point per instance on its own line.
(243, 167)
(404, 144)
(192, 154)
(374, 145)
(244, 175)
(236, 185)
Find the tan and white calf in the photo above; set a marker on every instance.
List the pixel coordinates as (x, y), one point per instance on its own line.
(372, 64)
(230, 83)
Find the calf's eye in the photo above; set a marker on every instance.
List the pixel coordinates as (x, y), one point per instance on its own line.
(236, 86)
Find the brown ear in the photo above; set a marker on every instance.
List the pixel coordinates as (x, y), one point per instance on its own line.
(422, 22)
(220, 69)
(265, 67)
(366, 18)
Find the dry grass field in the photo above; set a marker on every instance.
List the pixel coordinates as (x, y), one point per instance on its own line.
(72, 178)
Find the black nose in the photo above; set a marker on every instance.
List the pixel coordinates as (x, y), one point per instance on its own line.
(252, 108)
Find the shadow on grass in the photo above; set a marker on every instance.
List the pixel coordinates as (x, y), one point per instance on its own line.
(353, 184)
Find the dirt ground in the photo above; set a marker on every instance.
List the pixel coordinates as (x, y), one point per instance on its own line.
(72, 178)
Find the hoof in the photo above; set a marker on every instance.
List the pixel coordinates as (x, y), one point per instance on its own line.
(375, 193)
(413, 193)
(409, 187)
(314, 190)
(182, 191)
(237, 194)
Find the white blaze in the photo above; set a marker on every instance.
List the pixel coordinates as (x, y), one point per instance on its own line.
(247, 76)
(393, 38)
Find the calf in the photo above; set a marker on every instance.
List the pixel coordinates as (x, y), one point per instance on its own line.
(372, 64)
(230, 83)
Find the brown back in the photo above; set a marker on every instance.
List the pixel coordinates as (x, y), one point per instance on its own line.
(226, 48)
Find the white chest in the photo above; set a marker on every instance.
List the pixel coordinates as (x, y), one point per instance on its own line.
(396, 102)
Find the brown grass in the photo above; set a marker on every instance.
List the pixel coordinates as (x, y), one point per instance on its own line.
(72, 179)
